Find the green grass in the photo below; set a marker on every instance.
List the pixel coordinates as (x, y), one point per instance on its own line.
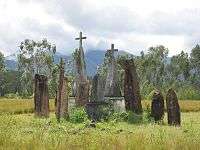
(19, 129)
(26, 132)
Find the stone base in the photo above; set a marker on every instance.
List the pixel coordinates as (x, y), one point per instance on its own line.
(98, 111)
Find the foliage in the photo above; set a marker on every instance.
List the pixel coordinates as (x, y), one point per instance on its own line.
(78, 115)
(34, 58)
(2, 63)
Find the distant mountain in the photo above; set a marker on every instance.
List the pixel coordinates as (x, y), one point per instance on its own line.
(93, 58)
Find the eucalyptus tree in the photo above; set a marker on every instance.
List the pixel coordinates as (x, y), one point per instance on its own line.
(35, 57)
(2, 67)
(2, 62)
(195, 62)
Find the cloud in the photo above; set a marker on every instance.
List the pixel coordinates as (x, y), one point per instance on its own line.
(131, 25)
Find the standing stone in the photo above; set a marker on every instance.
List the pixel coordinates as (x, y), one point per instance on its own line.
(62, 95)
(131, 87)
(112, 88)
(97, 91)
(173, 109)
(82, 83)
(41, 96)
(157, 106)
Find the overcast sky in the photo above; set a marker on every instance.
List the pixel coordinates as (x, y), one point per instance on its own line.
(131, 25)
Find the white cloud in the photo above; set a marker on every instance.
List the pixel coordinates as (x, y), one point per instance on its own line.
(132, 25)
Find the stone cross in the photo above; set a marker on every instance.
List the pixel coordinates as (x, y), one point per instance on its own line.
(81, 81)
(112, 88)
(80, 38)
(112, 51)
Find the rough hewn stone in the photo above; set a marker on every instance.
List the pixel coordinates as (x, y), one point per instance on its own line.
(62, 95)
(173, 109)
(157, 106)
(41, 97)
(131, 86)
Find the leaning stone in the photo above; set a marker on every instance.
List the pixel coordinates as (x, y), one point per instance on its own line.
(131, 87)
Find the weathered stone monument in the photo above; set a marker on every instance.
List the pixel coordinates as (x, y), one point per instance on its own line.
(173, 109)
(81, 81)
(157, 106)
(97, 91)
(41, 97)
(112, 88)
(131, 86)
(62, 94)
(97, 105)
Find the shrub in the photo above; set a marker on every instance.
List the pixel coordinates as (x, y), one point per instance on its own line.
(78, 115)
(119, 117)
(12, 96)
(134, 118)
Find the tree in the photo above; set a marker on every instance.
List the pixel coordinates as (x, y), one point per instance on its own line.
(35, 58)
(179, 67)
(151, 66)
(195, 62)
(2, 64)
(2, 67)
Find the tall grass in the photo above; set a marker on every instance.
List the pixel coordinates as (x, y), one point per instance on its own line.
(26, 132)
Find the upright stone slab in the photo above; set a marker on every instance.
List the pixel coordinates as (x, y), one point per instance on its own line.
(157, 106)
(82, 83)
(112, 88)
(173, 109)
(41, 97)
(97, 91)
(62, 95)
(131, 86)
(96, 108)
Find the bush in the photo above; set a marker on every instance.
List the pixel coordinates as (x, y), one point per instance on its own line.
(12, 96)
(147, 115)
(119, 117)
(134, 118)
(188, 92)
(78, 115)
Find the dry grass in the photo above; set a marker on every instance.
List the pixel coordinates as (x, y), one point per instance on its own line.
(185, 105)
(20, 106)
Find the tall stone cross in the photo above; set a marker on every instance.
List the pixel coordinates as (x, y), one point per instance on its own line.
(112, 51)
(80, 38)
(112, 88)
(82, 83)
(82, 65)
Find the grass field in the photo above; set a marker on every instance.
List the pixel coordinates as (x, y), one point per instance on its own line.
(21, 106)
(26, 132)
(19, 129)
